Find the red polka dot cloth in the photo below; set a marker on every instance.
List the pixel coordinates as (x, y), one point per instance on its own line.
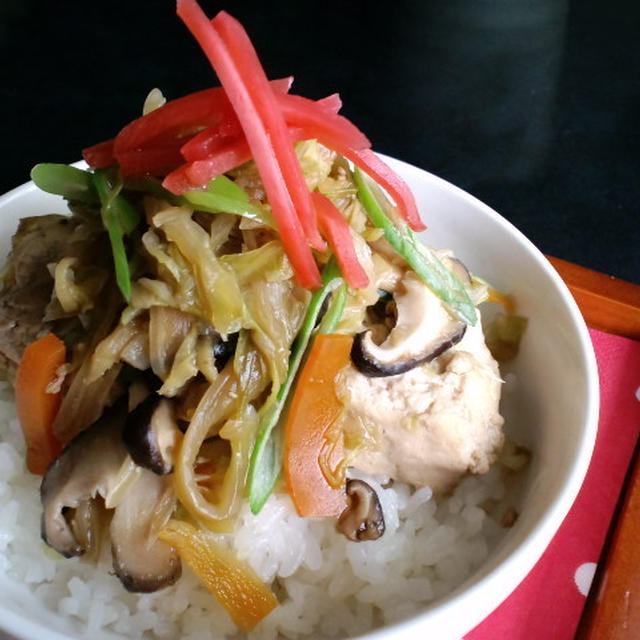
(549, 602)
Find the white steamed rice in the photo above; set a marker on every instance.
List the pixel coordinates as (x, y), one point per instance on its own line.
(328, 586)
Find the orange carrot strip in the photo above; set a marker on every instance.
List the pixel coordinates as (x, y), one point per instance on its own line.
(314, 409)
(235, 585)
(36, 406)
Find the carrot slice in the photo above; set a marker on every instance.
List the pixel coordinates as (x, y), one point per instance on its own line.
(37, 407)
(314, 409)
(235, 585)
(338, 233)
(291, 232)
(248, 65)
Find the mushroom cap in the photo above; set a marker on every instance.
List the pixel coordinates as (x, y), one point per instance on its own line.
(151, 433)
(143, 562)
(87, 467)
(424, 330)
(91, 466)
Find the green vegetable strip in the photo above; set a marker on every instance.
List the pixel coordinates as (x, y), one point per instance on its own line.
(127, 215)
(223, 186)
(123, 275)
(331, 318)
(119, 218)
(216, 203)
(222, 196)
(421, 259)
(266, 459)
(61, 179)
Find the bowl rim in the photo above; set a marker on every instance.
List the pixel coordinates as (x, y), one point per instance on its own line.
(482, 592)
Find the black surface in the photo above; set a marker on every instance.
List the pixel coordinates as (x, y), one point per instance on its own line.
(532, 106)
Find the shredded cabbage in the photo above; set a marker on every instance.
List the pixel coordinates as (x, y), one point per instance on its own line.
(217, 287)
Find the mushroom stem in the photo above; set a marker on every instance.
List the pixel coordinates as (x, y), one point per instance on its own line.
(362, 518)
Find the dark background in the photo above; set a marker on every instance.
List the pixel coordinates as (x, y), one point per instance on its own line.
(530, 105)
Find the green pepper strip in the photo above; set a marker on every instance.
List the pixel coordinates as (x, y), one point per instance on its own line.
(266, 459)
(119, 218)
(69, 182)
(222, 196)
(225, 196)
(214, 203)
(224, 186)
(421, 259)
(331, 318)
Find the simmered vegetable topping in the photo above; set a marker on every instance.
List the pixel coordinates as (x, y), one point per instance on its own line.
(250, 230)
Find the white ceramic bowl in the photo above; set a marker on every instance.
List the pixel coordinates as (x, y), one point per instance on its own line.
(553, 411)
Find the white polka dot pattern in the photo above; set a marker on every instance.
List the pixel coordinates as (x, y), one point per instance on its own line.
(584, 576)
